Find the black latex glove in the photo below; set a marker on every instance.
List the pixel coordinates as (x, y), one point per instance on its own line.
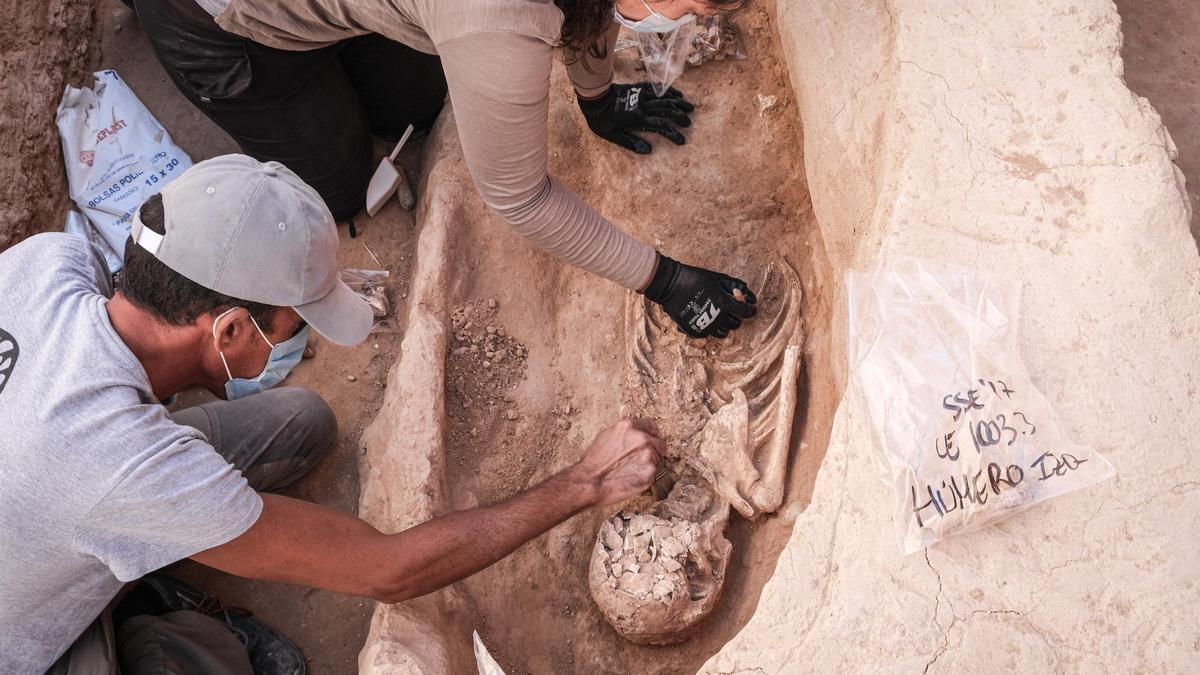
(700, 301)
(635, 107)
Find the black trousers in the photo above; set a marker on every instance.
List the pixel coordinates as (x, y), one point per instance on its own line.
(312, 111)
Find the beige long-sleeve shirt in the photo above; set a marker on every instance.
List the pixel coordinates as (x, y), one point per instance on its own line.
(497, 56)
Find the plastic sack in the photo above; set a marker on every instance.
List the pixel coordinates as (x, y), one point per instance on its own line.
(484, 663)
(961, 434)
(715, 40)
(371, 285)
(79, 226)
(665, 54)
(116, 155)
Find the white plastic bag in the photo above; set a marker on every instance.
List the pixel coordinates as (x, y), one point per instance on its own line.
(483, 660)
(371, 285)
(79, 226)
(665, 54)
(116, 155)
(961, 434)
(715, 40)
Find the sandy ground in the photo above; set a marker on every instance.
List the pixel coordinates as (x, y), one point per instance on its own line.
(1162, 63)
(45, 44)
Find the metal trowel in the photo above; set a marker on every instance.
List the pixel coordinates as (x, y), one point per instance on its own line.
(389, 179)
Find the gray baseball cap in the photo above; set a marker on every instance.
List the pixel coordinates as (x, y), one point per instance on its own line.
(255, 231)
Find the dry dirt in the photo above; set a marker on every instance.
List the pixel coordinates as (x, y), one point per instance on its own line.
(1162, 63)
(45, 45)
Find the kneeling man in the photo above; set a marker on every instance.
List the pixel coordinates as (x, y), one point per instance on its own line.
(100, 485)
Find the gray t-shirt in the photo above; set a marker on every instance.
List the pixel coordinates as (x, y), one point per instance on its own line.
(97, 485)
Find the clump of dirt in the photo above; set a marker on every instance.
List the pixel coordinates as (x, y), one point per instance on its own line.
(483, 367)
(46, 45)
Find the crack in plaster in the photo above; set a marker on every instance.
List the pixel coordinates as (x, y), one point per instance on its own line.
(955, 620)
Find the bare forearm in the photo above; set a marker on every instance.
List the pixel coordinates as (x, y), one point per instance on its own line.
(304, 543)
(447, 549)
(308, 544)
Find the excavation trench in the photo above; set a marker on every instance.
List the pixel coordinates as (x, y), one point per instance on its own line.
(951, 135)
(514, 361)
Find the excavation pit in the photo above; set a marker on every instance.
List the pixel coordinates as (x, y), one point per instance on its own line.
(975, 132)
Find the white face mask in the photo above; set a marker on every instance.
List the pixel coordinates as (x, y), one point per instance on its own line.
(655, 23)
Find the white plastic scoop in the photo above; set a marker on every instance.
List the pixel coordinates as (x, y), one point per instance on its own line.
(389, 179)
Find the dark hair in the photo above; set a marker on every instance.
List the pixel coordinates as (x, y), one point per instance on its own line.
(586, 20)
(168, 295)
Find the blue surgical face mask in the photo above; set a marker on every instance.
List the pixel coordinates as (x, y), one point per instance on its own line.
(655, 23)
(284, 356)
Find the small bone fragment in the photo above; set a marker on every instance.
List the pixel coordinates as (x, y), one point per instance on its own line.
(767, 495)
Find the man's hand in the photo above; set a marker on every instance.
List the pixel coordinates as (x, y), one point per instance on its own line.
(622, 461)
(702, 302)
(635, 107)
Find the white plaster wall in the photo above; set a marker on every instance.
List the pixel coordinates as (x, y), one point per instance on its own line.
(1001, 135)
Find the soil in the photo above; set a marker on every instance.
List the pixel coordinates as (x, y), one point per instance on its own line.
(46, 45)
(1162, 63)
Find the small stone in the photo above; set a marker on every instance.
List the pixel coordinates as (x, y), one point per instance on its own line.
(765, 103)
(564, 424)
(487, 364)
(512, 414)
(492, 304)
(351, 378)
(376, 345)
(474, 432)
(491, 330)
